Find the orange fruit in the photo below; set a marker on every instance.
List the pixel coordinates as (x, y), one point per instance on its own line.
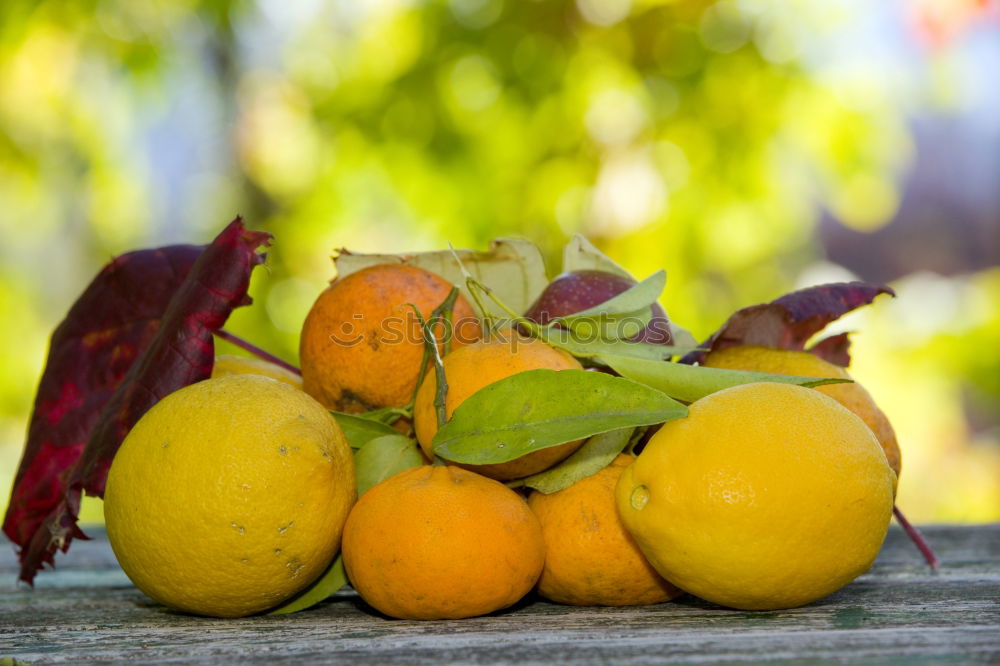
(590, 559)
(803, 364)
(471, 368)
(361, 343)
(440, 542)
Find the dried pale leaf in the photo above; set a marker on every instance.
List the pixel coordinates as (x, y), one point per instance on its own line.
(512, 268)
(582, 255)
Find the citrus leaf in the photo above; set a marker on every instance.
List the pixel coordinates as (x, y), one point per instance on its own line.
(512, 268)
(595, 454)
(126, 343)
(608, 327)
(360, 430)
(581, 255)
(689, 383)
(538, 409)
(382, 457)
(636, 297)
(595, 347)
(325, 587)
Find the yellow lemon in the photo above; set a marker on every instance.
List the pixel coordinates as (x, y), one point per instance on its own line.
(226, 364)
(803, 364)
(765, 496)
(229, 496)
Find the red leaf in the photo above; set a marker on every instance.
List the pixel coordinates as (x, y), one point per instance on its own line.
(140, 331)
(790, 321)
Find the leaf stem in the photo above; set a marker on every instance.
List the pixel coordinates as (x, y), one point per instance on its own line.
(917, 538)
(255, 350)
(478, 289)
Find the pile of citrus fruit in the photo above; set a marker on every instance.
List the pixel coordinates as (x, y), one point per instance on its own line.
(481, 483)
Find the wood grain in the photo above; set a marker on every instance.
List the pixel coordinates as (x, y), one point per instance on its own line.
(900, 612)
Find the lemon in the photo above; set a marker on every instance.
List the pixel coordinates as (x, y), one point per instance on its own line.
(226, 364)
(765, 496)
(229, 496)
(804, 364)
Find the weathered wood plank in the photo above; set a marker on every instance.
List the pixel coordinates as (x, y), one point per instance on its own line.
(86, 612)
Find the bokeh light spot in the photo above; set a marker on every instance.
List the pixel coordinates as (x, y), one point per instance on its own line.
(629, 193)
(474, 83)
(724, 28)
(866, 201)
(604, 12)
(615, 117)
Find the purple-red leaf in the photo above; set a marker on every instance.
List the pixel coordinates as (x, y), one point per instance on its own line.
(141, 330)
(790, 321)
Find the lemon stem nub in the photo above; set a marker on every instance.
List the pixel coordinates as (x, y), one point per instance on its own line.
(639, 498)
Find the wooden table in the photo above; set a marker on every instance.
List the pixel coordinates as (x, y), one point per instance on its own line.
(86, 611)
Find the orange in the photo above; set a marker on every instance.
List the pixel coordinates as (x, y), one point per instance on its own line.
(791, 362)
(590, 559)
(361, 343)
(471, 368)
(440, 542)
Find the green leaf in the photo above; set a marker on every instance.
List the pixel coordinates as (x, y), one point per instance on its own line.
(386, 415)
(384, 456)
(581, 255)
(596, 454)
(690, 382)
(325, 587)
(608, 327)
(513, 269)
(636, 297)
(538, 409)
(360, 430)
(595, 347)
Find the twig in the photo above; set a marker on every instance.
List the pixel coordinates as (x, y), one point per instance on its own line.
(256, 351)
(917, 538)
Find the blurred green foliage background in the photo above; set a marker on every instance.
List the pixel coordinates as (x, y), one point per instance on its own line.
(729, 142)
